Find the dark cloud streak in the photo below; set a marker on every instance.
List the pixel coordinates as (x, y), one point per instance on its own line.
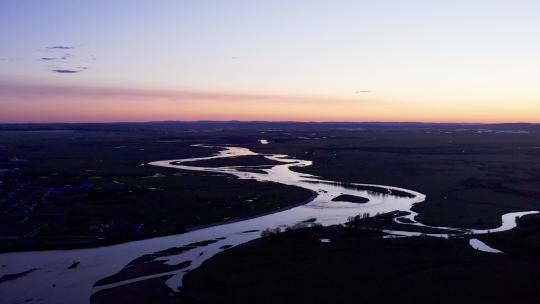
(65, 71)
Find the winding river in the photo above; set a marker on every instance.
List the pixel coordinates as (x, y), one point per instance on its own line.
(46, 276)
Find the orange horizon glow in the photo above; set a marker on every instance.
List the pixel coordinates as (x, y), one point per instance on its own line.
(40, 103)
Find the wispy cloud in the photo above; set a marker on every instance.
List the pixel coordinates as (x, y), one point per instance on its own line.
(63, 57)
(60, 47)
(67, 62)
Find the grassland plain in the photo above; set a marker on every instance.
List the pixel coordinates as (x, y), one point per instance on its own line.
(89, 185)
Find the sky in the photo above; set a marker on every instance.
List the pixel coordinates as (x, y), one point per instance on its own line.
(131, 60)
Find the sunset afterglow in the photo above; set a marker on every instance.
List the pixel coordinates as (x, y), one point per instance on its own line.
(436, 61)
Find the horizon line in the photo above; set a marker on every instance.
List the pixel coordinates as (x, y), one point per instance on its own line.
(268, 121)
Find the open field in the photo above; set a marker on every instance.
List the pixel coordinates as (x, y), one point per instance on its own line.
(470, 174)
(93, 187)
(358, 266)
